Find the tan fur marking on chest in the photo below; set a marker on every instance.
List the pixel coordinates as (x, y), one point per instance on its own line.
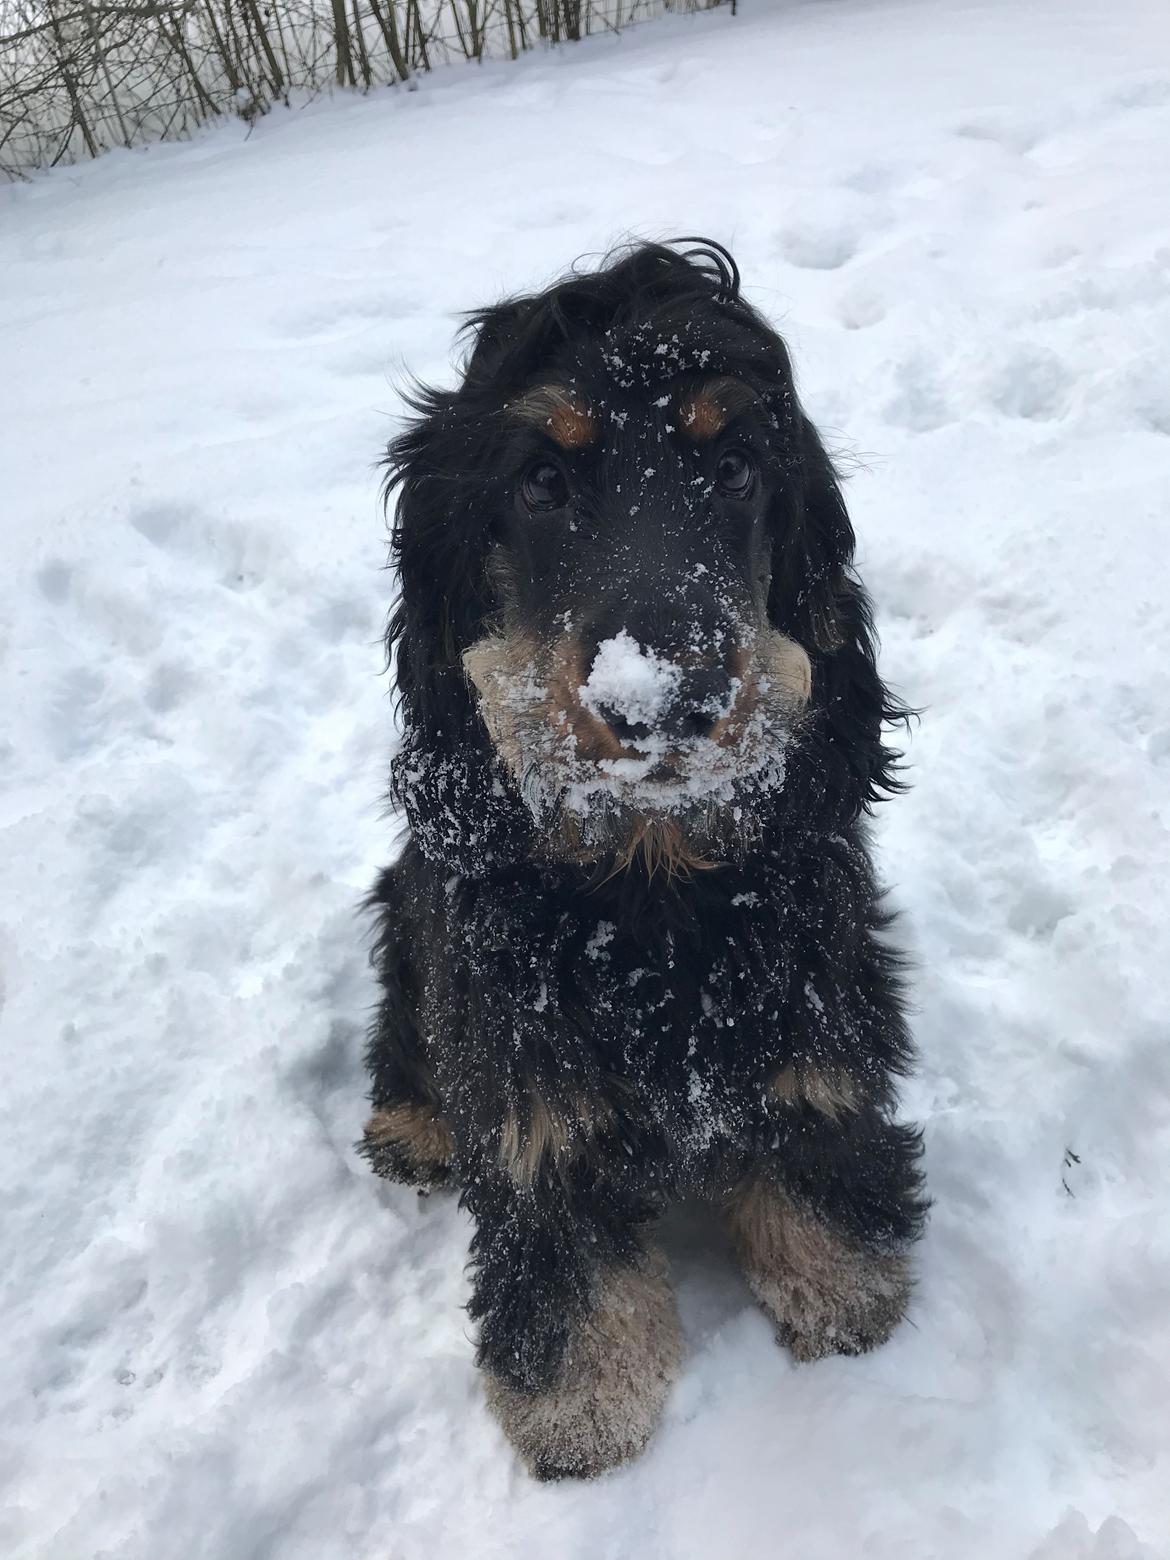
(663, 847)
(832, 1093)
(541, 1135)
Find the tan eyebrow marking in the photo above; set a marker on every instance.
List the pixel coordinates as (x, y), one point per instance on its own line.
(560, 412)
(705, 410)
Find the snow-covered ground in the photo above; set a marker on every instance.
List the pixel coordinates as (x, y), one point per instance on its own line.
(222, 1338)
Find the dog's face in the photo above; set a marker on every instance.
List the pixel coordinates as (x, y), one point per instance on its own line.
(624, 539)
(629, 675)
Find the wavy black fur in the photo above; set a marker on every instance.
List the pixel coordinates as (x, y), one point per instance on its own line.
(666, 1001)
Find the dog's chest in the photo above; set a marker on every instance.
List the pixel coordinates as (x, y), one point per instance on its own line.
(692, 1031)
(678, 1024)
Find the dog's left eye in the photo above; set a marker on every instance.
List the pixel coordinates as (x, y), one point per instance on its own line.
(735, 473)
(543, 486)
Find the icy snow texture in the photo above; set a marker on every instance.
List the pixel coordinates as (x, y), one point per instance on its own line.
(630, 680)
(222, 1339)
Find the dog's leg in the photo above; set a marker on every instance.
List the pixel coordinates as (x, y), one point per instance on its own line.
(579, 1334)
(825, 1292)
(406, 1138)
(602, 1406)
(824, 1245)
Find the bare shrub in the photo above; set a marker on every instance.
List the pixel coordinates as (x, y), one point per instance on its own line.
(78, 77)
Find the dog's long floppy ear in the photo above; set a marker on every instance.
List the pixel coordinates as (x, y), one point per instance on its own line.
(826, 608)
(442, 468)
(432, 555)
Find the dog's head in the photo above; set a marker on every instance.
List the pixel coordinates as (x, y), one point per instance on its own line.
(624, 559)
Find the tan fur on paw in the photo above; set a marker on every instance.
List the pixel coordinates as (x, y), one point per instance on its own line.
(618, 1369)
(409, 1142)
(826, 1294)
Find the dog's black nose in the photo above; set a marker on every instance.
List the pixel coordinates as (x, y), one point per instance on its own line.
(623, 728)
(689, 702)
(660, 665)
(704, 697)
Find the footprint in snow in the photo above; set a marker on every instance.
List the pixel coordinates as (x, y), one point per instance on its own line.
(1142, 94)
(163, 524)
(1011, 137)
(54, 580)
(78, 712)
(344, 618)
(919, 402)
(328, 321)
(363, 362)
(861, 308)
(1038, 910)
(169, 687)
(238, 556)
(540, 218)
(1034, 384)
(1142, 391)
(1020, 616)
(818, 248)
(873, 179)
(1105, 289)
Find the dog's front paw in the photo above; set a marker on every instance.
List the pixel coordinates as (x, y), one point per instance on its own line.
(854, 1314)
(608, 1394)
(827, 1294)
(409, 1142)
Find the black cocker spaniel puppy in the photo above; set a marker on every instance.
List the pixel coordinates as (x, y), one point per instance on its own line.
(633, 948)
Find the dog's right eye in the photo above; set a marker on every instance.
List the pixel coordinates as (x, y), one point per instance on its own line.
(543, 487)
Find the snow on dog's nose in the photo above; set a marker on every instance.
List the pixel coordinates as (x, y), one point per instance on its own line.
(643, 697)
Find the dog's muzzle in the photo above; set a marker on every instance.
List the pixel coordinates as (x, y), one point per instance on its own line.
(647, 698)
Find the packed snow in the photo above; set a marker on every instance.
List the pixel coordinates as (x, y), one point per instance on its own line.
(632, 680)
(223, 1338)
